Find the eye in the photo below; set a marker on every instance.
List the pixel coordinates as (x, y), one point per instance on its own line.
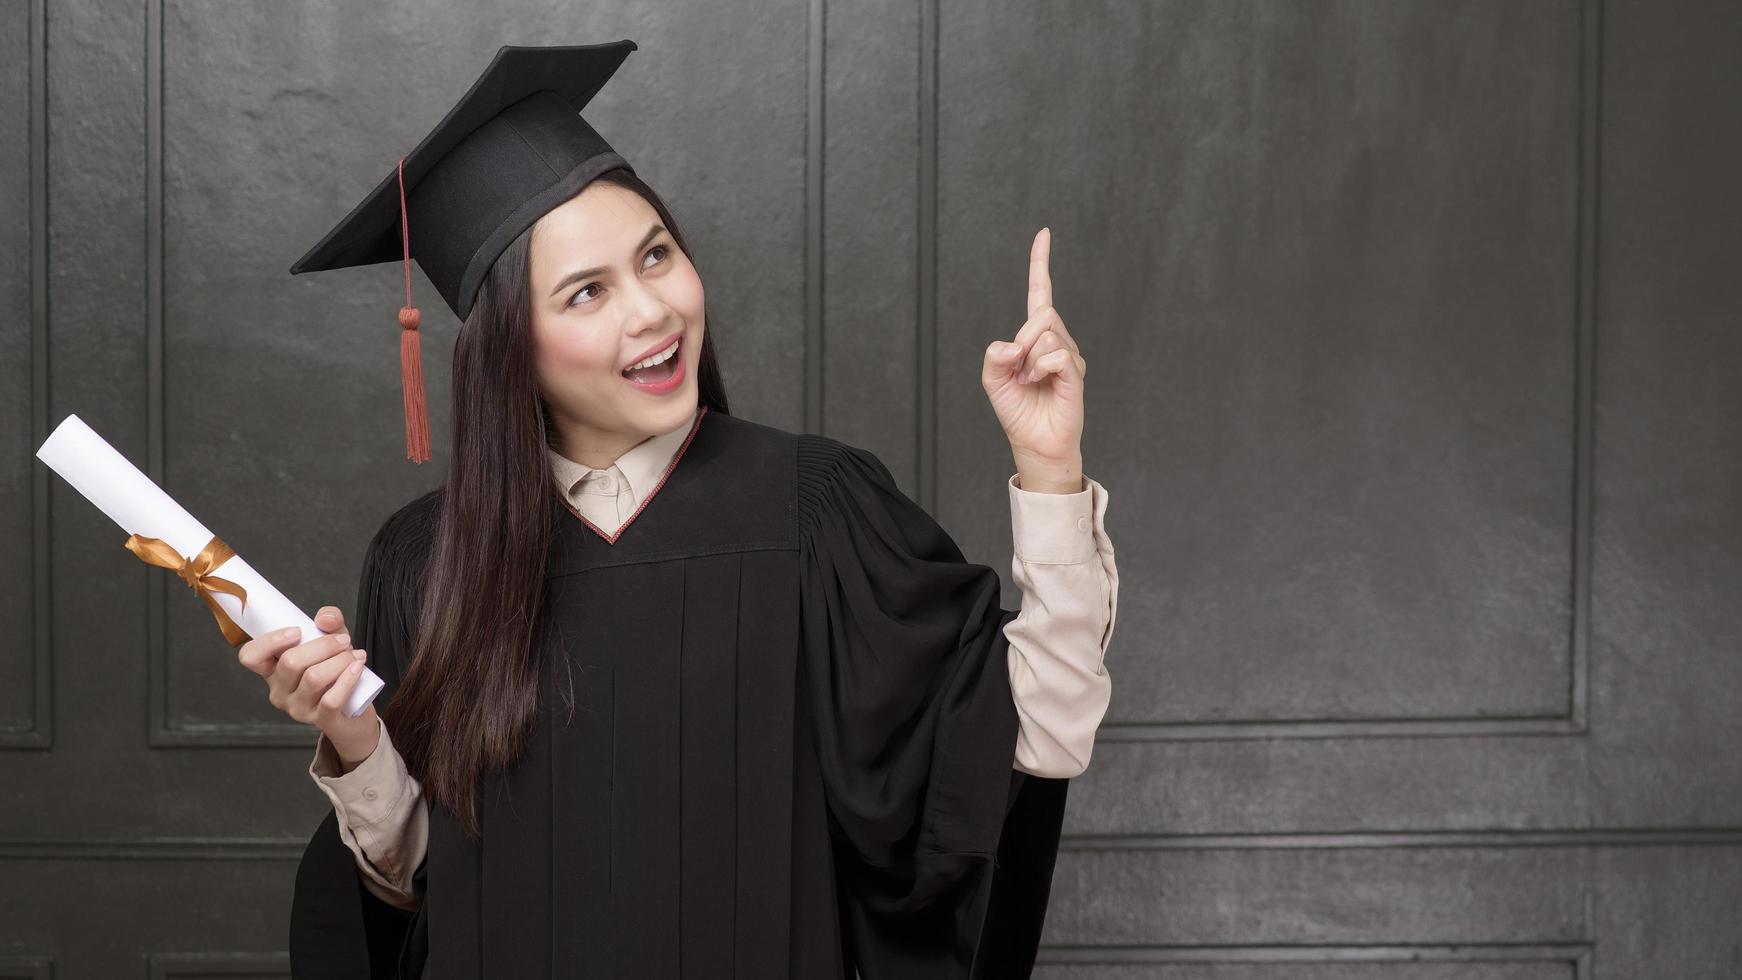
(579, 293)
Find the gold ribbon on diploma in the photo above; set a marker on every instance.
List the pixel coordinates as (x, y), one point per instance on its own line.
(197, 573)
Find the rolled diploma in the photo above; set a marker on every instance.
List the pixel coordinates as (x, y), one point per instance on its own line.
(141, 507)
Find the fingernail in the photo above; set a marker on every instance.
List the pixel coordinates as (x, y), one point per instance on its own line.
(344, 639)
(359, 654)
(357, 668)
(293, 633)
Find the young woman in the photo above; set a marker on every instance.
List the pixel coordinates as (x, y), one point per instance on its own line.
(670, 693)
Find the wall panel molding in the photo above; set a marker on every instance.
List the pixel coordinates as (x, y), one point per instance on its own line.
(166, 731)
(1577, 957)
(156, 849)
(37, 732)
(214, 848)
(1574, 720)
(1398, 839)
(27, 967)
(167, 966)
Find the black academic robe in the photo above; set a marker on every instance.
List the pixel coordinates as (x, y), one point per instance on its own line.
(789, 751)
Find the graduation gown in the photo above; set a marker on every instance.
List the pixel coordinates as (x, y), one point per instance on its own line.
(775, 739)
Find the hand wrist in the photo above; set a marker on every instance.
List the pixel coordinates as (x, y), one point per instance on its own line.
(1049, 476)
(353, 754)
(1040, 486)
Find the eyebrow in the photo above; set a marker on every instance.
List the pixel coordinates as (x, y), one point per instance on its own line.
(569, 279)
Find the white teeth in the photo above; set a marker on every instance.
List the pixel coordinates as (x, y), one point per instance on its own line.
(655, 359)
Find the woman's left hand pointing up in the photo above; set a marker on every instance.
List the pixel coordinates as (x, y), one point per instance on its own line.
(1035, 384)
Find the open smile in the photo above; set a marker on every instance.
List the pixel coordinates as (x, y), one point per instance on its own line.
(663, 377)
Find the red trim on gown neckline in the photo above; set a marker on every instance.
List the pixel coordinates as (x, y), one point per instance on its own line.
(612, 538)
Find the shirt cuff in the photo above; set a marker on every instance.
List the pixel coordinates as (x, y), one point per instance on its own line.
(369, 795)
(1053, 528)
(381, 819)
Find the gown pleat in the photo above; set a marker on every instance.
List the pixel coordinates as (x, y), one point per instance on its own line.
(580, 737)
(708, 735)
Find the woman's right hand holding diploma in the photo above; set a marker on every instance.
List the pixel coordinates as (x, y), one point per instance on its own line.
(311, 682)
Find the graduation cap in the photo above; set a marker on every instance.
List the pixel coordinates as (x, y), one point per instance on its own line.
(514, 147)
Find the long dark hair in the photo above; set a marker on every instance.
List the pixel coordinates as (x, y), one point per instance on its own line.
(470, 696)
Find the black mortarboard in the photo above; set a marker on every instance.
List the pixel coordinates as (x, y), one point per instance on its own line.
(513, 148)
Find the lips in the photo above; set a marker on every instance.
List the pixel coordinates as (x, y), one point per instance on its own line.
(655, 349)
(664, 386)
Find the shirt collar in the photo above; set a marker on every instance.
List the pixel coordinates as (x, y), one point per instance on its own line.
(641, 467)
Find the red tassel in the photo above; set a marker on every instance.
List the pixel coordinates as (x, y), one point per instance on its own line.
(411, 382)
(411, 350)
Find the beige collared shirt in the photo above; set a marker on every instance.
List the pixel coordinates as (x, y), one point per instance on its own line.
(1062, 562)
(609, 497)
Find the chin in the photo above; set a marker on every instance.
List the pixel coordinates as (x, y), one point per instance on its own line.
(675, 412)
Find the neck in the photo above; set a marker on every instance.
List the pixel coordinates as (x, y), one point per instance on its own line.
(597, 448)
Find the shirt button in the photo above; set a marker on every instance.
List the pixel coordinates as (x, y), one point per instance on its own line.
(369, 793)
(1083, 524)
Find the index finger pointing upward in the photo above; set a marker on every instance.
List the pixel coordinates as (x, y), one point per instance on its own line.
(1039, 272)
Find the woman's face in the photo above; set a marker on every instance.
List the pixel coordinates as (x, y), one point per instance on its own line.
(610, 288)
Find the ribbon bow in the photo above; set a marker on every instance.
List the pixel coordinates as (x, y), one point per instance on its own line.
(197, 573)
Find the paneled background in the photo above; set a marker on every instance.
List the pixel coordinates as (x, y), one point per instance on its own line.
(1414, 328)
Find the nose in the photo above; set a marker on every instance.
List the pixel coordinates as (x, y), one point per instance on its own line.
(645, 311)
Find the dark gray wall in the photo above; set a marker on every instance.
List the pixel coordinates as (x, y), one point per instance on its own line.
(1415, 353)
